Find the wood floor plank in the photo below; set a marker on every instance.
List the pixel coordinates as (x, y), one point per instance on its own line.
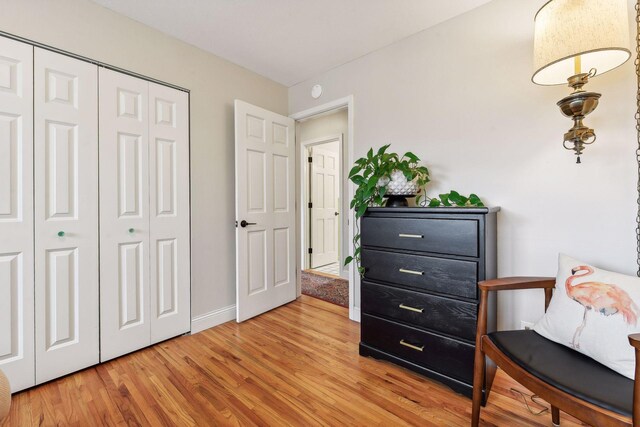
(297, 365)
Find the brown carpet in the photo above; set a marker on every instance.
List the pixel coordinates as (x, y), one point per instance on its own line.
(326, 288)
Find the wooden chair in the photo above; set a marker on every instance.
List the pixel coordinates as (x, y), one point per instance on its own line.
(567, 379)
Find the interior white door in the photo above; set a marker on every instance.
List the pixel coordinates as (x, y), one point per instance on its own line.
(66, 214)
(325, 211)
(16, 213)
(124, 214)
(169, 209)
(265, 210)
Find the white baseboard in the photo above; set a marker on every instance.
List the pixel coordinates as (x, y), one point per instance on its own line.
(213, 318)
(355, 315)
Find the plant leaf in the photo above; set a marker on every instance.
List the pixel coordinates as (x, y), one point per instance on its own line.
(361, 211)
(412, 157)
(474, 200)
(457, 199)
(348, 260)
(382, 149)
(444, 199)
(354, 170)
(373, 181)
(358, 180)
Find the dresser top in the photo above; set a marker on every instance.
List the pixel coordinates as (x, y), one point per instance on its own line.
(444, 210)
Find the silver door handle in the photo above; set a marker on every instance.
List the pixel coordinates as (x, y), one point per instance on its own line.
(411, 236)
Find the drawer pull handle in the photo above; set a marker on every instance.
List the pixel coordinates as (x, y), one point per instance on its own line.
(411, 346)
(411, 236)
(406, 307)
(417, 273)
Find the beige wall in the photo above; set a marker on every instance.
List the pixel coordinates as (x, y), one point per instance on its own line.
(323, 125)
(460, 96)
(84, 28)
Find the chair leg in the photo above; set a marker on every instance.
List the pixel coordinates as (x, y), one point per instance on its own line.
(555, 416)
(478, 380)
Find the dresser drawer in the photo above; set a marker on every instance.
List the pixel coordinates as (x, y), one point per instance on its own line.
(447, 356)
(447, 276)
(445, 236)
(444, 315)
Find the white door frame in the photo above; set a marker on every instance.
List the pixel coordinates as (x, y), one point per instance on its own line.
(304, 196)
(354, 278)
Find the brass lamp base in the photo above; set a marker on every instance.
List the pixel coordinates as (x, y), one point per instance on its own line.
(576, 106)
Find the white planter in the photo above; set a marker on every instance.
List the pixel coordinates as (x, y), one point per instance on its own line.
(400, 186)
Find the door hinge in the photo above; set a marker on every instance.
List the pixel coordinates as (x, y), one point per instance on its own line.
(310, 205)
(310, 159)
(310, 250)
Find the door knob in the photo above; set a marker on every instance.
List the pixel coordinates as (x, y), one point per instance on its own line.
(60, 233)
(336, 213)
(244, 223)
(131, 230)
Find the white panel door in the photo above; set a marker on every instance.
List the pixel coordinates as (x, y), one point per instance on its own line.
(265, 210)
(169, 278)
(16, 213)
(325, 169)
(66, 214)
(124, 214)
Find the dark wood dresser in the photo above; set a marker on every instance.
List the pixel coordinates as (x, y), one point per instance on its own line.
(419, 293)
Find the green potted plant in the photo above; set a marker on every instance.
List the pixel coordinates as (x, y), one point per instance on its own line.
(385, 174)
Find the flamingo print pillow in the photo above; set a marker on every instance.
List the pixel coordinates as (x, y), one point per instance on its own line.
(593, 311)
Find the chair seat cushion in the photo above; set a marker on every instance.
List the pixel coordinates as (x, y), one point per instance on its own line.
(567, 370)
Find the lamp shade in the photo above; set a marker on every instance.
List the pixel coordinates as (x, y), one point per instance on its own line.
(596, 32)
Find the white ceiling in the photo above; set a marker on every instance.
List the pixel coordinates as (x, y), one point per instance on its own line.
(290, 40)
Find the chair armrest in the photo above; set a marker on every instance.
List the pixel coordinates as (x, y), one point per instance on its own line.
(506, 284)
(513, 283)
(634, 340)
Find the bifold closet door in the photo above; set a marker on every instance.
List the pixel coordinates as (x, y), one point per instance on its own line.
(66, 214)
(169, 208)
(124, 214)
(16, 213)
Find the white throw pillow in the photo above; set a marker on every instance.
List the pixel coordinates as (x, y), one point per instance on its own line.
(593, 311)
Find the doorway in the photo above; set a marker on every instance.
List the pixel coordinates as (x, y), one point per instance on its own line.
(313, 114)
(324, 230)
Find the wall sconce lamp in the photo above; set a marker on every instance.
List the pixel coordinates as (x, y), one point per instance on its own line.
(575, 40)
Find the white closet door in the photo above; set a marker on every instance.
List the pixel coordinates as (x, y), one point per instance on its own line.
(16, 213)
(169, 207)
(66, 214)
(124, 214)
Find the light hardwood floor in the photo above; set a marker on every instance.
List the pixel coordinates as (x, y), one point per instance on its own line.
(296, 365)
